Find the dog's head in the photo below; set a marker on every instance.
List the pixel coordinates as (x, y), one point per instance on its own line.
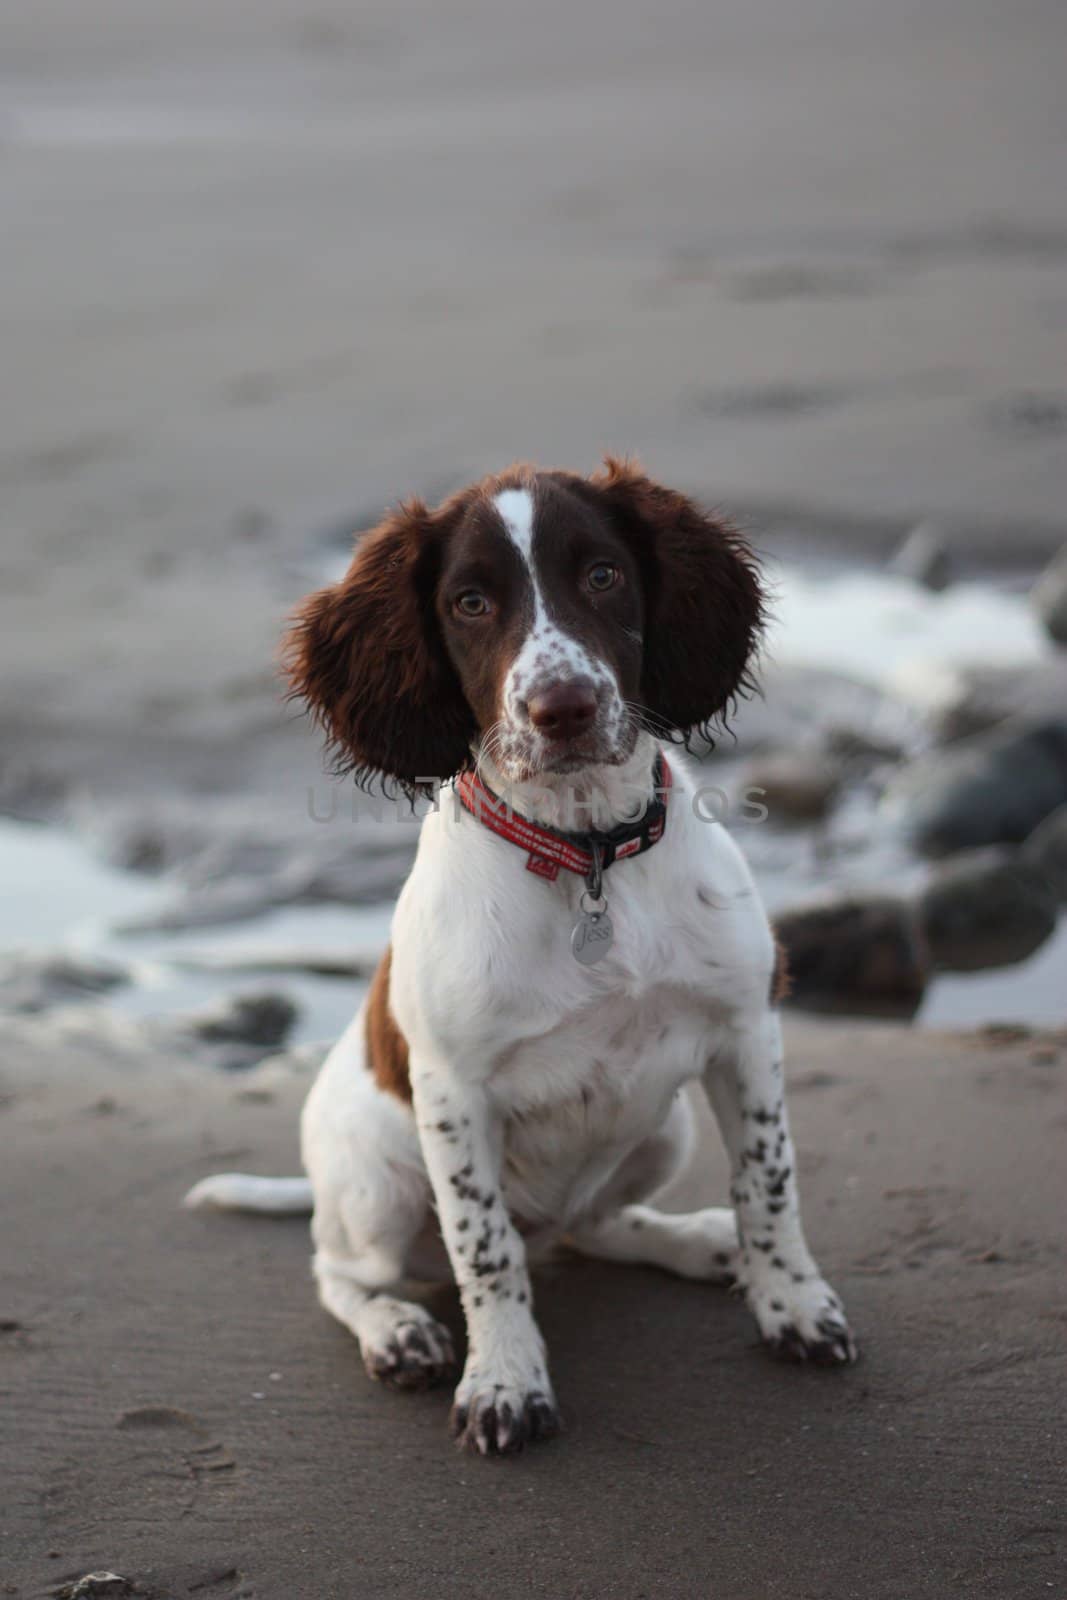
(540, 616)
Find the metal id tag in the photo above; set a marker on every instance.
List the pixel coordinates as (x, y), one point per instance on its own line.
(592, 937)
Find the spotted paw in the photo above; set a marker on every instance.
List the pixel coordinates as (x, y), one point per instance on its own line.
(802, 1321)
(415, 1353)
(500, 1420)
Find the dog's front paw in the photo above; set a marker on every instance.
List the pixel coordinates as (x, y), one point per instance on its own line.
(406, 1348)
(802, 1321)
(501, 1418)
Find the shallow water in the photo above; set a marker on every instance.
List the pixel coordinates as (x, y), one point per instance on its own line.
(55, 892)
(181, 971)
(1033, 992)
(58, 897)
(889, 632)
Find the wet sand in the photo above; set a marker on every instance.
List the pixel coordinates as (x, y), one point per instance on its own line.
(266, 270)
(176, 1408)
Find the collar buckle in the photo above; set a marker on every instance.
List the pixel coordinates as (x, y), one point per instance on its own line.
(586, 854)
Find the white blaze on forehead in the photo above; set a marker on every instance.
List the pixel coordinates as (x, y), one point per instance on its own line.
(515, 508)
(516, 511)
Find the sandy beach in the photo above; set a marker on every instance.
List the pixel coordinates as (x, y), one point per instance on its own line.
(178, 1410)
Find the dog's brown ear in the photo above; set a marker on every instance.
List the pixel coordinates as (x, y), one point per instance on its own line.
(367, 656)
(704, 597)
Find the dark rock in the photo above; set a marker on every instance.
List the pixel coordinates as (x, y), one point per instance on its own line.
(794, 786)
(986, 908)
(151, 840)
(261, 1019)
(234, 1033)
(1046, 852)
(141, 849)
(1049, 598)
(95, 1586)
(860, 954)
(924, 558)
(859, 750)
(992, 789)
(98, 1036)
(30, 983)
(988, 696)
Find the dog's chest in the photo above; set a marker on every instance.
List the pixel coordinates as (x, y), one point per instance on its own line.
(606, 1045)
(613, 1058)
(612, 1044)
(573, 1101)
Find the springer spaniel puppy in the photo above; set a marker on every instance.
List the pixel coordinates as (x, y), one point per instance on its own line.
(577, 940)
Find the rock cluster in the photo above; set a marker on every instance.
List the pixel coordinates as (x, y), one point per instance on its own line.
(984, 804)
(992, 788)
(875, 953)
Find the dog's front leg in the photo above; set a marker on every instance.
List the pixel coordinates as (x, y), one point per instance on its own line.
(504, 1397)
(799, 1315)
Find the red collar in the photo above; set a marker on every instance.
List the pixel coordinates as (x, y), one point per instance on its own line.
(575, 852)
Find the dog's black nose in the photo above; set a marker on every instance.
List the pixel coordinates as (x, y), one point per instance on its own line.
(564, 711)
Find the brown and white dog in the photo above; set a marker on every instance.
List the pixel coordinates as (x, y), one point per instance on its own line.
(509, 1081)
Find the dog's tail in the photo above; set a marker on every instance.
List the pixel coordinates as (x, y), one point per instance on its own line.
(239, 1191)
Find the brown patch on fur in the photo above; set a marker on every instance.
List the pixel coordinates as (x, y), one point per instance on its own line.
(704, 599)
(365, 655)
(387, 1049)
(781, 980)
(403, 684)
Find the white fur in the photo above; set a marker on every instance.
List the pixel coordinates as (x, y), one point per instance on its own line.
(238, 1191)
(547, 1101)
(547, 654)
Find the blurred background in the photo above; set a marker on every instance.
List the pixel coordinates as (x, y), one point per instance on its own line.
(269, 265)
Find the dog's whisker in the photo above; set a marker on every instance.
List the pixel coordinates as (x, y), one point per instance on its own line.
(490, 747)
(646, 721)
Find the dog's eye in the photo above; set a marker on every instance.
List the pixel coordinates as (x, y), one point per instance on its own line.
(471, 603)
(602, 576)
